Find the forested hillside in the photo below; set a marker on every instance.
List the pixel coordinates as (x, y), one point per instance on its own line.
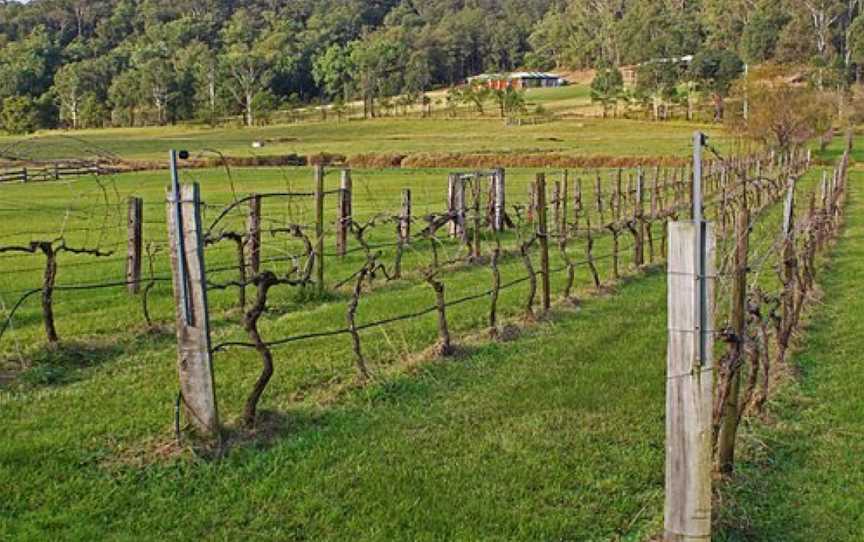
(85, 63)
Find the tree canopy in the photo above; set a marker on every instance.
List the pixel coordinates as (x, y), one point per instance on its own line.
(79, 63)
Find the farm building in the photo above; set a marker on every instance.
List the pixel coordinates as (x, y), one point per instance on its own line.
(519, 80)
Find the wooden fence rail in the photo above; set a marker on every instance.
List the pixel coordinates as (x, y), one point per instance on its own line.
(53, 172)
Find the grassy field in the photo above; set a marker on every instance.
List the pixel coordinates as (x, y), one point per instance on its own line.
(557, 434)
(393, 458)
(584, 137)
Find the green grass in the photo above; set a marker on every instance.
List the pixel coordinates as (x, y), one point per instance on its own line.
(572, 99)
(387, 135)
(802, 478)
(556, 435)
(416, 453)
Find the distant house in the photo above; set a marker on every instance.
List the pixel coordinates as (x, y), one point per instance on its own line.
(519, 80)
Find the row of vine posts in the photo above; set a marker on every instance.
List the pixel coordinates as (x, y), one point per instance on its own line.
(703, 416)
(475, 204)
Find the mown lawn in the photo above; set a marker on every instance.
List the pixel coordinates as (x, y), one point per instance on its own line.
(583, 137)
(451, 449)
(555, 435)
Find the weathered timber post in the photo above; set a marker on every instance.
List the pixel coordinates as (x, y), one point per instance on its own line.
(134, 244)
(319, 227)
(543, 236)
(456, 206)
(476, 194)
(790, 308)
(253, 236)
(405, 217)
(452, 181)
(194, 361)
(344, 218)
(24, 177)
(499, 189)
(689, 379)
(689, 385)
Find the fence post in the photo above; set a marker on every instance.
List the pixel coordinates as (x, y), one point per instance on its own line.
(319, 227)
(689, 366)
(345, 211)
(253, 240)
(134, 244)
(190, 296)
(456, 205)
(689, 384)
(543, 236)
(500, 202)
(405, 216)
(24, 174)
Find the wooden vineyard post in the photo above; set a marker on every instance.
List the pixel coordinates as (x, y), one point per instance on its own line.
(461, 211)
(456, 206)
(477, 191)
(134, 244)
(543, 236)
(653, 217)
(343, 223)
(499, 191)
(405, 217)
(194, 361)
(253, 239)
(689, 384)
(452, 180)
(689, 370)
(319, 227)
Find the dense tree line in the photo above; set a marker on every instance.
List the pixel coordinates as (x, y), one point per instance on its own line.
(85, 63)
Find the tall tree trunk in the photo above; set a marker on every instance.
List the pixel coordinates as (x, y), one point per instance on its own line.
(250, 118)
